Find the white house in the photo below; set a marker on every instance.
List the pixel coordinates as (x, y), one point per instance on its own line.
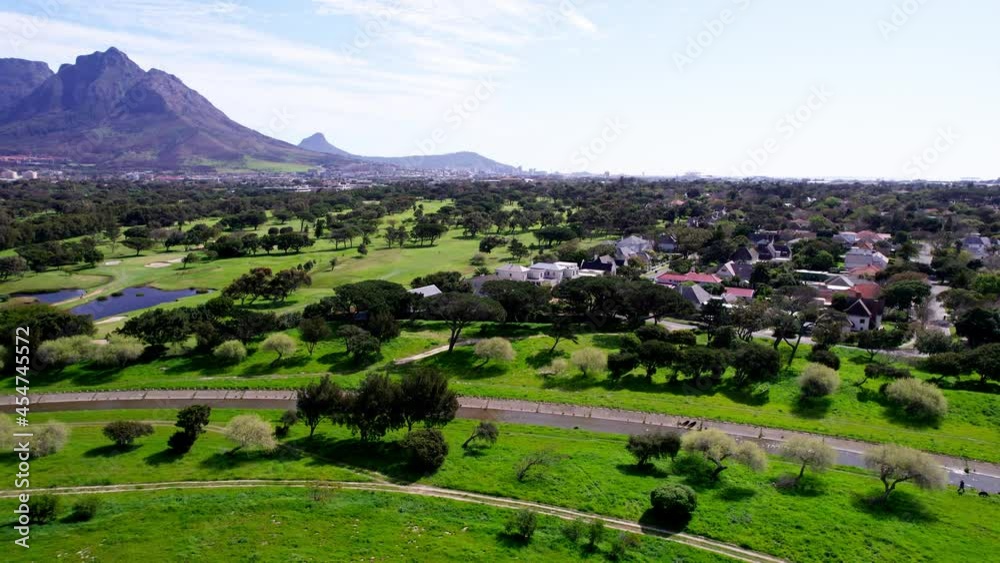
(865, 314)
(513, 272)
(862, 258)
(9, 175)
(544, 273)
(978, 246)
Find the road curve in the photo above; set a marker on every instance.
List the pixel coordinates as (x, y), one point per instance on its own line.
(697, 542)
(980, 475)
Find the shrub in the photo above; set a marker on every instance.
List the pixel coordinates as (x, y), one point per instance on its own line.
(61, 352)
(478, 260)
(824, 357)
(574, 530)
(674, 500)
(595, 532)
(653, 446)
(86, 508)
(559, 366)
(718, 447)
(280, 344)
(427, 448)
(879, 371)
(50, 439)
(590, 360)
(180, 442)
(948, 364)
(230, 352)
(521, 525)
(934, 342)
(124, 432)
(43, 508)
(755, 363)
(818, 381)
(495, 349)
(918, 398)
(621, 545)
(761, 392)
(621, 364)
(120, 351)
(682, 338)
(250, 431)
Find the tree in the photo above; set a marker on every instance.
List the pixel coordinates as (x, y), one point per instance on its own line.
(918, 398)
(621, 545)
(698, 361)
(621, 364)
(427, 448)
(428, 398)
(874, 341)
(829, 329)
(818, 381)
(159, 327)
(375, 408)
(755, 363)
(280, 344)
(124, 432)
(934, 342)
(653, 446)
(484, 432)
(675, 501)
(654, 354)
(119, 351)
(905, 294)
(318, 400)
(50, 438)
(521, 525)
(230, 352)
(250, 431)
(987, 362)
(895, 464)
(518, 250)
(979, 326)
(459, 310)
(188, 260)
(138, 244)
(520, 301)
(534, 462)
(61, 352)
(748, 319)
(193, 420)
(808, 452)
(559, 330)
(717, 447)
(362, 345)
(447, 282)
(589, 360)
(312, 331)
(595, 533)
(494, 349)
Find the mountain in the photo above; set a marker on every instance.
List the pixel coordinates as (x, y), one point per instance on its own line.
(106, 111)
(20, 78)
(459, 161)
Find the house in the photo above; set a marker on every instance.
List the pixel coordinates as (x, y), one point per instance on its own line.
(865, 314)
(674, 280)
(31, 175)
(978, 246)
(866, 272)
(602, 265)
(694, 294)
(668, 244)
(847, 238)
(860, 258)
(427, 291)
(746, 255)
(733, 270)
(734, 295)
(635, 244)
(544, 273)
(9, 175)
(514, 272)
(782, 251)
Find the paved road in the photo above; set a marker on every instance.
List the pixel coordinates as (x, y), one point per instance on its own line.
(981, 476)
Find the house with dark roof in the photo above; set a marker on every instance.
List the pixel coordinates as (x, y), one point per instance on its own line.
(667, 243)
(733, 270)
(606, 265)
(747, 255)
(865, 314)
(695, 294)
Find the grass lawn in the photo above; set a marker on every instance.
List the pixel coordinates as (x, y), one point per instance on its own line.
(828, 518)
(285, 524)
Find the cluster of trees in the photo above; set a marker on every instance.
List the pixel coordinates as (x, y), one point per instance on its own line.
(237, 245)
(263, 283)
(40, 257)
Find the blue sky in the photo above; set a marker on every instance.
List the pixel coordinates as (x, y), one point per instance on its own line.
(852, 88)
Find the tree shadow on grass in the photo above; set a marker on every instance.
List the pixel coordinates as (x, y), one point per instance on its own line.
(231, 459)
(696, 471)
(812, 407)
(808, 486)
(900, 505)
(578, 382)
(607, 341)
(388, 458)
(543, 358)
(652, 521)
(266, 368)
(163, 457)
(466, 365)
(734, 493)
(111, 450)
(648, 470)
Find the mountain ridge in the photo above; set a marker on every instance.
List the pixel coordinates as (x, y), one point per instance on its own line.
(465, 161)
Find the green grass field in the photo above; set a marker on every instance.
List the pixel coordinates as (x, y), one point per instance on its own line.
(283, 524)
(829, 518)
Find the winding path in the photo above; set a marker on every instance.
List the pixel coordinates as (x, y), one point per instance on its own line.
(980, 475)
(697, 542)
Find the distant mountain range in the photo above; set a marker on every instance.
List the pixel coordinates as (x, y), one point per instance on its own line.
(458, 161)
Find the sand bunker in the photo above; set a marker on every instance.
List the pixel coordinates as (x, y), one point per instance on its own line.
(158, 265)
(112, 262)
(110, 320)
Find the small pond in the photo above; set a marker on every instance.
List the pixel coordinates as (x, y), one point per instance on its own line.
(54, 296)
(131, 299)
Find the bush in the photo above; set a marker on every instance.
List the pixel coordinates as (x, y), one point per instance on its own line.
(119, 351)
(230, 352)
(281, 344)
(61, 352)
(590, 360)
(761, 392)
(621, 364)
(918, 398)
(180, 442)
(496, 349)
(559, 366)
(674, 500)
(818, 381)
(682, 338)
(521, 525)
(478, 260)
(250, 431)
(948, 364)
(43, 509)
(427, 448)
(653, 446)
(50, 439)
(124, 432)
(935, 342)
(879, 371)
(574, 530)
(621, 545)
(824, 357)
(86, 508)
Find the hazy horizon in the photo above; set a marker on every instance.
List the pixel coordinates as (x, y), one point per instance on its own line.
(857, 89)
